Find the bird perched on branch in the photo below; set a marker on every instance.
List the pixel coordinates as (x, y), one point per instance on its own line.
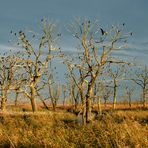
(103, 32)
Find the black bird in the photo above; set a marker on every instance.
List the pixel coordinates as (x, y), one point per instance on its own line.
(131, 33)
(20, 32)
(123, 24)
(59, 34)
(11, 31)
(102, 31)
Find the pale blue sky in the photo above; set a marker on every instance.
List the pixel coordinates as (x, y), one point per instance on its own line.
(18, 14)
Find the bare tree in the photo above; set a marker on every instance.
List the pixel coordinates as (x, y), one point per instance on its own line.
(17, 91)
(21, 80)
(80, 83)
(107, 91)
(64, 94)
(36, 57)
(54, 91)
(73, 93)
(100, 88)
(96, 45)
(141, 79)
(103, 92)
(129, 90)
(8, 71)
(117, 73)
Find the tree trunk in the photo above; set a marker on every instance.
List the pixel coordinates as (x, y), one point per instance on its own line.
(3, 98)
(32, 99)
(3, 103)
(115, 95)
(99, 106)
(130, 102)
(88, 104)
(83, 100)
(144, 98)
(33, 105)
(76, 105)
(44, 103)
(16, 98)
(76, 102)
(88, 110)
(93, 102)
(54, 106)
(84, 116)
(64, 99)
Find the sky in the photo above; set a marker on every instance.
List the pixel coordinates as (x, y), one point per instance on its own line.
(20, 14)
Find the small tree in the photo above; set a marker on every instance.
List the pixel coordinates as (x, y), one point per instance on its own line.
(103, 92)
(141, 79)
(17, 91)
(73, 93)
(117, 73)
(54, 91)
(20, 80)
(64, 94)
(107, 91)
(129, 90)
(8, 71)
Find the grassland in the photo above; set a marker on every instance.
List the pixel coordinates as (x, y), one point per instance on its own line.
(63, 130)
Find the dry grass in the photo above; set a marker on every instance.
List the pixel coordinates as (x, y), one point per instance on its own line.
(60, 129)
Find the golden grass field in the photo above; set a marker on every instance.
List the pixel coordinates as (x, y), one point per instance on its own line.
(61, 129)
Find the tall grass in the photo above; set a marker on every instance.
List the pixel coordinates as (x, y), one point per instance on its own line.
(115, 129)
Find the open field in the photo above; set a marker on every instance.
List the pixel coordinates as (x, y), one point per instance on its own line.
(62, 129)
(120, 105)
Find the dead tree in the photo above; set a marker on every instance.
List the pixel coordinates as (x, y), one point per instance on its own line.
(96, 45)
(117, 74)
(129, 90)
(106, 94)
(64, 94)
(73, 93)
(36, 58)
(103, 92)
(80, 84)
(141, 79)
(54, 91)
(100, 88)
(8, 71)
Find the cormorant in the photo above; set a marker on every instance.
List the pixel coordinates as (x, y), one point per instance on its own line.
(102, 31)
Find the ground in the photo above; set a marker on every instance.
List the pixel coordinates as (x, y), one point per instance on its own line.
(119, 128)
